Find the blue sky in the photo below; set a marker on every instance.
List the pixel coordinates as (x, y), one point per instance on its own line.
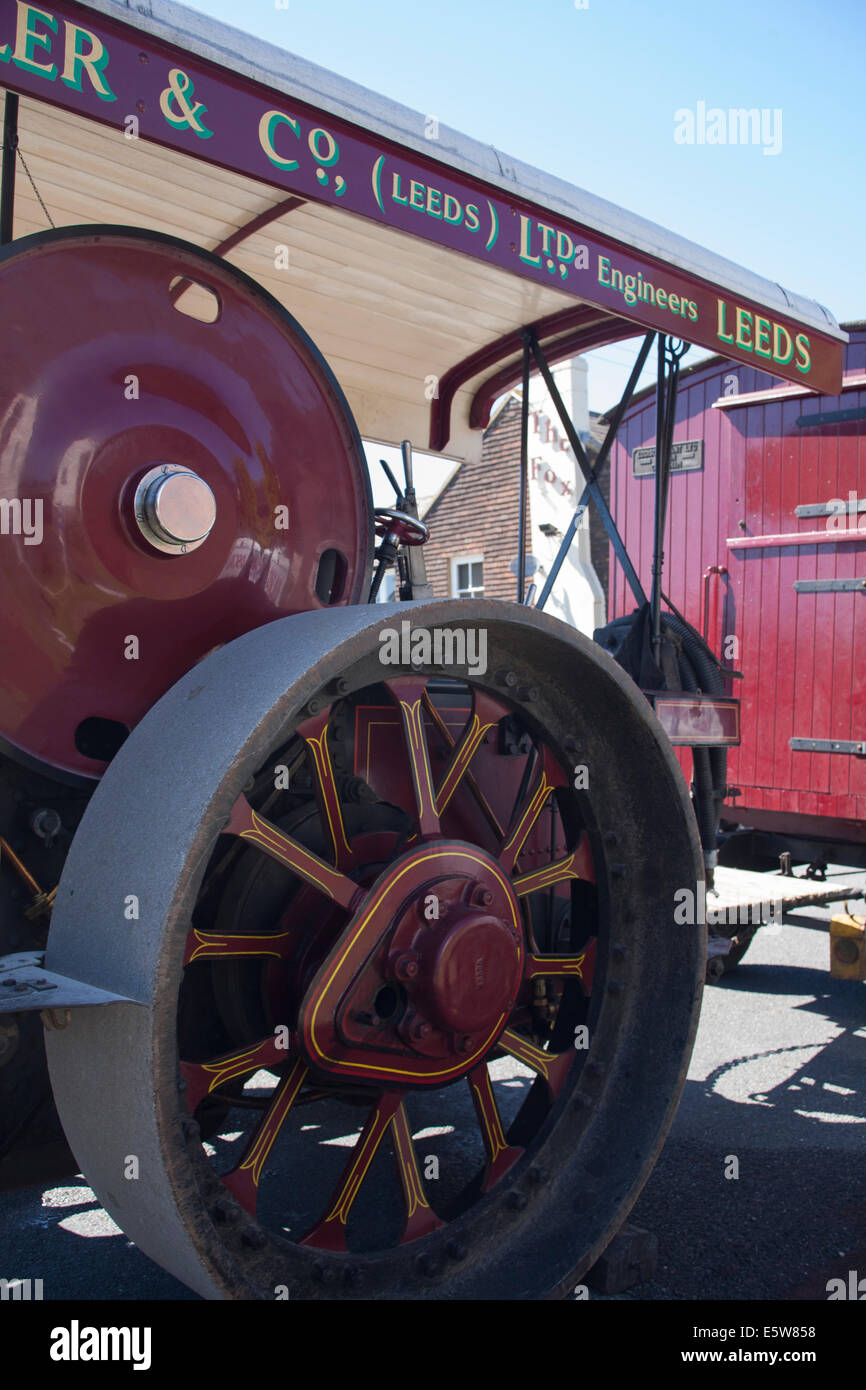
(590, 95)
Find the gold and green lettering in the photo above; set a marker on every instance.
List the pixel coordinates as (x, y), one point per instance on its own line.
(314, 140)
(762, 337)
(526, 242)
(780, 356)
(28, 40)
(267, 125)
(94, 61)
(720, 331)
(803, 350)
(744, 329)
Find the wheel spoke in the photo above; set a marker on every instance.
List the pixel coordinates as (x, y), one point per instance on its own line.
(568, 966)
(330, 1232)
(408, 691)
(500, 1154)
(551, 777)
(485, 716)
(588, 972)
(243, 1180)
(315, 735)
(249, 826)
(203, 1078)
(205, 945)
(420, 1217)
(551, 1066)
(577, 864)
(471, 782)
(214, 945)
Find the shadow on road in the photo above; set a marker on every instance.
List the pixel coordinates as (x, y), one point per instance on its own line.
(759, 1192)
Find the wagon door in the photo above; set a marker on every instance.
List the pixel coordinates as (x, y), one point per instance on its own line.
(797, 558)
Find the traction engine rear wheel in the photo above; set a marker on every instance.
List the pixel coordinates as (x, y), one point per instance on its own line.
(465, 952)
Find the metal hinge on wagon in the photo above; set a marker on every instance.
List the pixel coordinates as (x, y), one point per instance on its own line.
(27, 987)
(829, 586)
(692, 720)
(855, 747)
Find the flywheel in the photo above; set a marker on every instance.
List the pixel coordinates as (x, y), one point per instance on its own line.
(177, 465)
(393, 888)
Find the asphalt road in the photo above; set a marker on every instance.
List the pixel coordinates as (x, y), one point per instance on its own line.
(776, 1083)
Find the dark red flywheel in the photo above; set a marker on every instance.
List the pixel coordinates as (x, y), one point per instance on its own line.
(170, 482)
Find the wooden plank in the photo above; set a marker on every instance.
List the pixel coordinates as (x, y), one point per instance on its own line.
(743, 888)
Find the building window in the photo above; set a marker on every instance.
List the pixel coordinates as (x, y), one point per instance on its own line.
(467, 576)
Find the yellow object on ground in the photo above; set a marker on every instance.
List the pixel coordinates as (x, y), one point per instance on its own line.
(848, 946)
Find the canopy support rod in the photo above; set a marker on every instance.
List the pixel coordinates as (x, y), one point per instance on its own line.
(591, 475)
(667, 381)
(7, 172)
(524, 473)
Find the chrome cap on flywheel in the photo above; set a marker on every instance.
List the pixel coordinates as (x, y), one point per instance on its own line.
(174, 508)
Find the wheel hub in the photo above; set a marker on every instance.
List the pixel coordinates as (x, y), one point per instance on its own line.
(425, 975)
(472, 962)
(175, 509)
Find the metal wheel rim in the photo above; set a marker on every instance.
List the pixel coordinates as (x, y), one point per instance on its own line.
(115, 1070)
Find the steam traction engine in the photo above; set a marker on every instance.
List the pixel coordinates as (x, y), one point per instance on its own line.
(312, 878)
(261, 886)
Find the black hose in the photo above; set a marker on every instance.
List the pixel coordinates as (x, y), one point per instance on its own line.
(628, 639)
(710, 679)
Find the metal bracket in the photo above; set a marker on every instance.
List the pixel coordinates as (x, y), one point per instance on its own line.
(854, 746)
(27, 987)
(829, 586)
(591, 475)
(830, 508)
(831, 417)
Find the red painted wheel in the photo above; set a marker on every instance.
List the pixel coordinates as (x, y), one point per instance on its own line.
(176, 481)
(442, 972)
(409, 955)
